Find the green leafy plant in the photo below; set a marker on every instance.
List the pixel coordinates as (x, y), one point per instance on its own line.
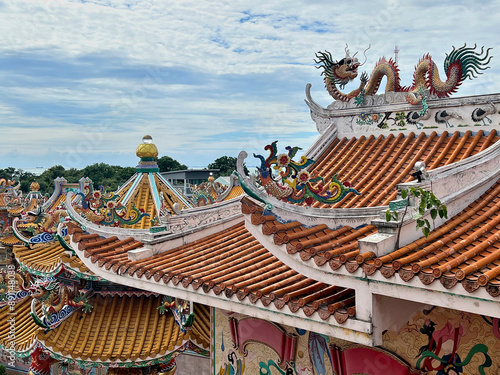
(427, 201)
(2, 369)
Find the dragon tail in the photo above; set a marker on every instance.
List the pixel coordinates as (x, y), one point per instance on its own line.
(460, 64)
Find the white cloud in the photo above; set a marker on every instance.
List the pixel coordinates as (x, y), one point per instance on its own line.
(204, 77)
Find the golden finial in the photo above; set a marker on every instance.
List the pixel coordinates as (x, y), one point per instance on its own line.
(147, 149)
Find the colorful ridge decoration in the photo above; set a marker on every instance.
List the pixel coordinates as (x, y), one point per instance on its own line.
(58, 303)
(181, 309)
(105, 208)
(297, 184)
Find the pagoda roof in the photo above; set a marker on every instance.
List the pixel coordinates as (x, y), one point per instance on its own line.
(49, 259)
(151, 193)
(123, 329)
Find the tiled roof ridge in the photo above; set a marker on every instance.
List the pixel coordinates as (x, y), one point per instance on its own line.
(317, 242)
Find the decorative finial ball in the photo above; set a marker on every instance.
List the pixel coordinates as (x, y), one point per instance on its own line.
(211, 179)
(147, 149)
(35, 186)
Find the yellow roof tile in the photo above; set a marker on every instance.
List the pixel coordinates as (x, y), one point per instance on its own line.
(123, 328)
(26, 329)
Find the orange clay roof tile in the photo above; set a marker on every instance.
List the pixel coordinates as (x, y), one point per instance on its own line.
(465, 249)
(336, 247)
(374, 166)
(229, 263)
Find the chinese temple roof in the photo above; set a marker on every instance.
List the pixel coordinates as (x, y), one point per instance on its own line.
(212, 191)
(135, 331)
(230, 263)
(49, 259)
(4, 201)
(121, 329)
(9, 191)
(318, 243)
(464, 250)
(283, 260)
(148, 190)
(374, 165)
(33, 201)
(26, 330)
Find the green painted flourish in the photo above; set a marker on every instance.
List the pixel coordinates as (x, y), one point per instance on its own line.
(479, 348)
(265, 368)
(247, 190)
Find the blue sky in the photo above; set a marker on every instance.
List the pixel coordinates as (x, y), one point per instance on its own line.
(82, 81)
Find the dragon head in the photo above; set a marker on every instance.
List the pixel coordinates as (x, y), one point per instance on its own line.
(340, 72)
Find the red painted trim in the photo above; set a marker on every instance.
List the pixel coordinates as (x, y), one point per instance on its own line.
(260, 331)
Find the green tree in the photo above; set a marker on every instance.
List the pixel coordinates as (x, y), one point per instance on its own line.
(167, 164)
(108, 176)
(226, 166)
(46, 179)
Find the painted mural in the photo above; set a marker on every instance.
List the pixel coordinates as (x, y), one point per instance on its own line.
(444, 342)
(434, 341)
(259, 357)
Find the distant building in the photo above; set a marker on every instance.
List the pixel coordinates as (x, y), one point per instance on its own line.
(184, 180)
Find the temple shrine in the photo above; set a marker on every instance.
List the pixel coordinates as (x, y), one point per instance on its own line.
(375, 251)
